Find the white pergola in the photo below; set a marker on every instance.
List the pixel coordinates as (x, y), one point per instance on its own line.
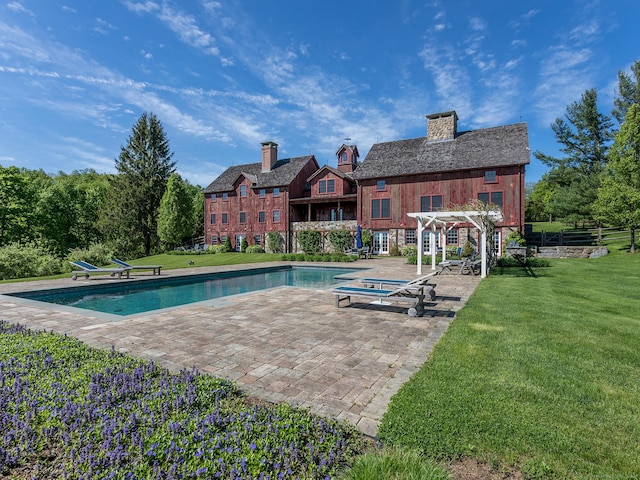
(448, 220)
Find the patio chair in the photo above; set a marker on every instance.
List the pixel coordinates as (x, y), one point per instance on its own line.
(120, 263)
(87, 269)
(396, 283)
(364, 252)
(412, 294)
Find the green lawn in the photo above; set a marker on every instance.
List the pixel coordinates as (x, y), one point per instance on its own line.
(540, 370)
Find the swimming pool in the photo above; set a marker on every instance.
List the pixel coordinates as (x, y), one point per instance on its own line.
(139, 296)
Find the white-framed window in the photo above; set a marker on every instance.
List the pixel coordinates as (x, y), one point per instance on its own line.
(276, 216)
(276, 192)
(239, 239)
(213, 219)
(257, 240)
(381, 185)
(497, 242)
(490, 176)
(426, 244)
(243, 217)
(262, 193)
(214, 240)
(243, 190)
(410, 236)
(452, 236)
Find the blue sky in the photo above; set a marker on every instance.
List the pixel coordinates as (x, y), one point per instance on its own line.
(223, 76)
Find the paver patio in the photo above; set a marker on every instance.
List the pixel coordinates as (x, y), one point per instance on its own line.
(284, 344)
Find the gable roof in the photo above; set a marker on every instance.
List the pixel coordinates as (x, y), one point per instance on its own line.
(326, 168)
(283, 173)
(484, 148)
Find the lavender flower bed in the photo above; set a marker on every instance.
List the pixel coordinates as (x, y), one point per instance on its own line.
(71, 411)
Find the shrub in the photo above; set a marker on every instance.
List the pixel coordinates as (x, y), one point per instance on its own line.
(394, 251)
(23, 261)
(243, 245)
(96, 254)
(274, 242)
(340, 240)
(227, 245)
(409, 251)
(467, 250)
(254, 249)
(309, 241)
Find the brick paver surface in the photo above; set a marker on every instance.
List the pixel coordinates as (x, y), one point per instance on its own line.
(284, 344)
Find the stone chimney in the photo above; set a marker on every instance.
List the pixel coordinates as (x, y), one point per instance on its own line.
(442, 126)
(269, 155)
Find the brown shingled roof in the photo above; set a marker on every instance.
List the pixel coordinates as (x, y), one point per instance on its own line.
(484, 148)
(282, 174)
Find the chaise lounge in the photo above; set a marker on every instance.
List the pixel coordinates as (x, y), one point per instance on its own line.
(120, 263)
(396, 283)
(412, 294)
(87, 269)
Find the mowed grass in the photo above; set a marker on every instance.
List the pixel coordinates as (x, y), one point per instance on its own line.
(540, 371)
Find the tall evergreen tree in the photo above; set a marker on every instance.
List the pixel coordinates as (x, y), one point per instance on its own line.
(585, 137)
(175, 217)
(628, 92)
(144, 166)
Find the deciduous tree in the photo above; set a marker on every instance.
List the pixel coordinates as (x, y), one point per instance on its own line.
(618, 201)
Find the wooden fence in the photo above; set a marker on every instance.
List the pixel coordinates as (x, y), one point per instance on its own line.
(592, 236)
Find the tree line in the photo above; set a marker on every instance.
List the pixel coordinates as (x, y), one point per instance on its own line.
(597, 180)
(144, 208)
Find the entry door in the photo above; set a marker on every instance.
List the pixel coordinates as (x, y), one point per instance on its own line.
(239, 239)
(381, 242)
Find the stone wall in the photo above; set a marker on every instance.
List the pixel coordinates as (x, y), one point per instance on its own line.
(570, 252)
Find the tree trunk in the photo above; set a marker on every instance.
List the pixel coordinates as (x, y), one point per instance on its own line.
(633, 240)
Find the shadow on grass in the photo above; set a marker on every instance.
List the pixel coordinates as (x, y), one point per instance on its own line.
(521, 271)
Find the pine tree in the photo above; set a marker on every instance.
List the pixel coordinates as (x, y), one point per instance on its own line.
(144, 165)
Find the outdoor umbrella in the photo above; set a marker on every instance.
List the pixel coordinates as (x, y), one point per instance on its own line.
(359, 237)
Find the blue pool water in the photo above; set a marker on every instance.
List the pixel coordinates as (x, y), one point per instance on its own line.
(131, 297)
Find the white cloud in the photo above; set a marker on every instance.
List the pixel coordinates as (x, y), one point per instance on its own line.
(564, 77)
(19, 8)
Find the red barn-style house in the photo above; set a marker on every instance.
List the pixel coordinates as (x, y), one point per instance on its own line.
(443, 170)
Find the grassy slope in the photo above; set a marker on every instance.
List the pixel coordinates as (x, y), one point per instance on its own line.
(539, 370)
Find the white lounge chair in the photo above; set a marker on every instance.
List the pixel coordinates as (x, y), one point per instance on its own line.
(87, 269)
(412, 294)
(122, 264)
